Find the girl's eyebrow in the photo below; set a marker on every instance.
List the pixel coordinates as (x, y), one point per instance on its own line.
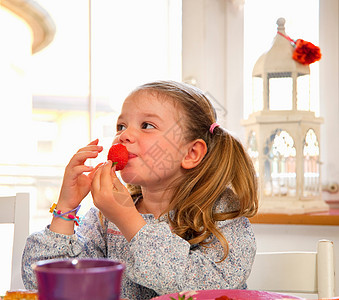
(144, 115)
(151, 115)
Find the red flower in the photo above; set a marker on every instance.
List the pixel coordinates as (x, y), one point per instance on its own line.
(305, 52)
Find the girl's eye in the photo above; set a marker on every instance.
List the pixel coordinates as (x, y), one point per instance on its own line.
(146, 125)
(120, 127)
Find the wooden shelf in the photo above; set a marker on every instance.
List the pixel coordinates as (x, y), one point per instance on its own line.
(325, 218)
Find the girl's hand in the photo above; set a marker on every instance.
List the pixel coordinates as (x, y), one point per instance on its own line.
(112, 198)
(76, 185)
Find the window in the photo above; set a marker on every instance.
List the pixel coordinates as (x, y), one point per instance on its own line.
(311, 164)
(78, 83)
(280, 165)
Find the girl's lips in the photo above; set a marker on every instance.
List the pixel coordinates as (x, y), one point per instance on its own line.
(131, 155)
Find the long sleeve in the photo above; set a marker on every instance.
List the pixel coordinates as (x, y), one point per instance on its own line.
(87, 241)
(166, 263)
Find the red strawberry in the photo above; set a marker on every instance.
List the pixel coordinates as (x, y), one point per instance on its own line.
(118, 154)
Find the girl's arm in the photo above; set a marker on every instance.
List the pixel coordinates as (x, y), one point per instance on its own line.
(75, 186)
(166, 263)
(88, 241)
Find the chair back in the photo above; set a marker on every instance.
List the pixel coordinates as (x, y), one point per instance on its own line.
(15, 210)
(295, 272)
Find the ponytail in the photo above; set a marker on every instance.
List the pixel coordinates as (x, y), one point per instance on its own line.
(225, 166)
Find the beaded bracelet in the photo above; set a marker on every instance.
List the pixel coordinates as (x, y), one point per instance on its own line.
(66, 216)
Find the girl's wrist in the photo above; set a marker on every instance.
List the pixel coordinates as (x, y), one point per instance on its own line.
(68, 215)
(65, 207)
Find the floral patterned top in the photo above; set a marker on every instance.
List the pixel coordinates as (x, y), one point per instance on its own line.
(157, 261)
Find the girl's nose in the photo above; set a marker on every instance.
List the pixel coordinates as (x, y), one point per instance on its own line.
(127, 136)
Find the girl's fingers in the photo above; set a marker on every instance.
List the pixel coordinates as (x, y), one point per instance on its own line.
(75, 172)
(96, 179)
(91, 148)
(106, 175)
(92, 173)
(94, 142)
(108, 192)
(116, 181)
(80, 157)
(105, 178)
(117, 184)
(78, 170)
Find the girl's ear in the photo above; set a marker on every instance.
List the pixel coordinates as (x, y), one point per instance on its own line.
(195, 153)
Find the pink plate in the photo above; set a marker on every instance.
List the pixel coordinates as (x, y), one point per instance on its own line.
(231, 294)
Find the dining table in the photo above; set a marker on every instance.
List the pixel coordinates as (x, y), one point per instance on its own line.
(189, 295)
(229, 294)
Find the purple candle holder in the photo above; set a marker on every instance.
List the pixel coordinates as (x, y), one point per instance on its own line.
(85, 279)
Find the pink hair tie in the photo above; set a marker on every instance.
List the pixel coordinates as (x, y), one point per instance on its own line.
(213, 126)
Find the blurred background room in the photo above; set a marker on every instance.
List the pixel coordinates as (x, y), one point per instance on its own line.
(66, 67)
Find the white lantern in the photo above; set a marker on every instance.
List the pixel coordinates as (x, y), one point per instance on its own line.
(283, 133)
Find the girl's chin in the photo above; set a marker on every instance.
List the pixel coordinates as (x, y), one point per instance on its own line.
(131, 177)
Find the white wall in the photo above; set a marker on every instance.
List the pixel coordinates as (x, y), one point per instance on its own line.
(329, 89)
(212, 55)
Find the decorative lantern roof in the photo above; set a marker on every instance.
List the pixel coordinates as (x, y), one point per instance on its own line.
(279, 81)
(279, 57)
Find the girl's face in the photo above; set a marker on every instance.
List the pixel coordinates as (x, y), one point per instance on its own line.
(151, 130)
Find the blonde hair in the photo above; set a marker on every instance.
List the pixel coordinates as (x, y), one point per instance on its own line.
(225, 165)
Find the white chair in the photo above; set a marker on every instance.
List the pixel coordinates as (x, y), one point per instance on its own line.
(15, 209)
(295, 272)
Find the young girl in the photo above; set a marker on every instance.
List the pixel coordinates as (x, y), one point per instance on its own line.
(181, 223)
